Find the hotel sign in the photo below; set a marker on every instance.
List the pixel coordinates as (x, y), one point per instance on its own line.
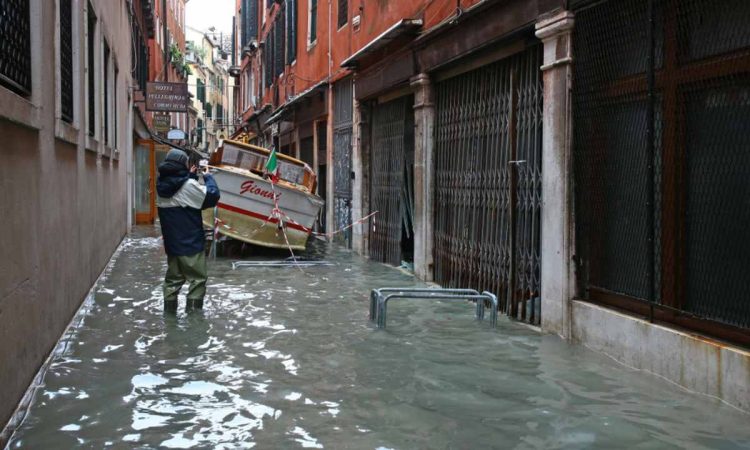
(162, 123)
(168, 97)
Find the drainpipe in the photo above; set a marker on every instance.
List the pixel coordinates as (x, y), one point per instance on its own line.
(329, 131)
(165, 35)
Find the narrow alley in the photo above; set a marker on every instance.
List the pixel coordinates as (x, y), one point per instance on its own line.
(278, 359)
(202, 200)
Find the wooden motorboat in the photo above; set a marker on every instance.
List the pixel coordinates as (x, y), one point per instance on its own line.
(246, 211)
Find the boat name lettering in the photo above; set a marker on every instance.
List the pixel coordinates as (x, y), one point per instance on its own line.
(249, 186)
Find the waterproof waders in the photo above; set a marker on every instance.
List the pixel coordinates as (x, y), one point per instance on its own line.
(180, 201)
(181, 269)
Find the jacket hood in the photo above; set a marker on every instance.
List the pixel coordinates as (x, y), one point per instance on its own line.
(172, 175)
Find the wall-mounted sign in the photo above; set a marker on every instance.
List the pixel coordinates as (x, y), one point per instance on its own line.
(162, 123)
(167, 96)
(176, 134)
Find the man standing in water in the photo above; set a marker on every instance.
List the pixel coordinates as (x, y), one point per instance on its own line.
(181, 200)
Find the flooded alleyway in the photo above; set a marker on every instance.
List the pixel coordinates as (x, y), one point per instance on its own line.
(278, 359)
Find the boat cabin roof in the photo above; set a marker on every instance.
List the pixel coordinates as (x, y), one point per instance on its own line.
(253, 159)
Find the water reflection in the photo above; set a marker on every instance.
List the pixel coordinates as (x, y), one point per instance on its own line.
(280, 359)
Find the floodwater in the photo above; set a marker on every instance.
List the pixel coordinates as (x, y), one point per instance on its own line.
(281, 359)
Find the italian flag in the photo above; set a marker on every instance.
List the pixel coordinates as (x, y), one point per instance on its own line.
(272, 165)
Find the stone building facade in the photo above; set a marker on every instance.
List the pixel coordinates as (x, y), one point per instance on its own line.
(454, 121)
(67, 121)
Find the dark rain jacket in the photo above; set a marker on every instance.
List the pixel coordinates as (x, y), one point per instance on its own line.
(181, 199)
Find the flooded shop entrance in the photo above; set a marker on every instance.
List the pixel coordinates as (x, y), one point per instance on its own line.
(392, 182)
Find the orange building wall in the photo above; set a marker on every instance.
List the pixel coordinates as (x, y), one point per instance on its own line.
(312, 64)
(315, 64)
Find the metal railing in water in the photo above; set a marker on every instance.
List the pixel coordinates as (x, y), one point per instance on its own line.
(379, 300)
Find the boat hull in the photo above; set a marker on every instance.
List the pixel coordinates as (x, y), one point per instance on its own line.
(246, 206)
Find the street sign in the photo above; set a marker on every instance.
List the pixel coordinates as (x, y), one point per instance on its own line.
(162, 123)
(167, 96)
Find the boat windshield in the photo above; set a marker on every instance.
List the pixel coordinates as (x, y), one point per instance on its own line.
(253, 160)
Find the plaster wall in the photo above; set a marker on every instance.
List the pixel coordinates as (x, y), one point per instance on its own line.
(64, 195)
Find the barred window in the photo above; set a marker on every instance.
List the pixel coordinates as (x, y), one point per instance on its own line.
(66, 60)
(114, 107)
(658, 221)
(106, 89)
(343, 12)
(15, 46)
(291, 31)
(91, 79)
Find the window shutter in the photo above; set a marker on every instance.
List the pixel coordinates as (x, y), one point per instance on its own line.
(268, 58)
(250, 21)
(278, 45)
(291, 30)
(313, 20)
(243, 23)
(343, 12)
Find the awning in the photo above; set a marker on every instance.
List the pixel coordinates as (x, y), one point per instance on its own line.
(286, 107)
(401, 28)
(258, 112)
(187, 150)
(276, 115)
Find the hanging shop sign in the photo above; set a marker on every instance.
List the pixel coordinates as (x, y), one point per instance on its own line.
(168, 97)
(162, 123)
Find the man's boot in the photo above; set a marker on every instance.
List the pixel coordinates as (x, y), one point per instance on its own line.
(194, 304)
(170, 306)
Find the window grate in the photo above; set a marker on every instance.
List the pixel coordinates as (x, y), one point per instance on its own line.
(66, 60)
(105, 88)
(114, 106)
(15, 46)
(661, 221)
(91, 45)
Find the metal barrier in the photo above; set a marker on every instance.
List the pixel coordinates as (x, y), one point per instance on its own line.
(280, 263)
(379, 300)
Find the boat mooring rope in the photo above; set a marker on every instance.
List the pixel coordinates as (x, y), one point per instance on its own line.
(280, 216)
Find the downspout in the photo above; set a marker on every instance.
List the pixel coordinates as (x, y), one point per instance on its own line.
(165, 35)
(329, 131)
